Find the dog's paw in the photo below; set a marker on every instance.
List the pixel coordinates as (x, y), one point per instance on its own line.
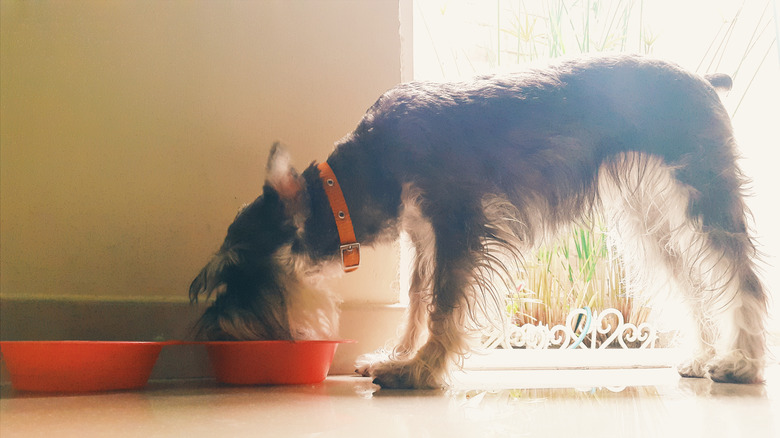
(412, 374)
(366, 363)
(696, 366)
(735, 368)
(692, 368)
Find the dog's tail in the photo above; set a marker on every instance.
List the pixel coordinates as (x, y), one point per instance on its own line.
(720, 81)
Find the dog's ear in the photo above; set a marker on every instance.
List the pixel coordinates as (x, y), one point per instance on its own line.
(209, 281)
(290, 186)
(281, 175)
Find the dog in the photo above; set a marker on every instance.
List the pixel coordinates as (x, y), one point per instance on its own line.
(478, 173)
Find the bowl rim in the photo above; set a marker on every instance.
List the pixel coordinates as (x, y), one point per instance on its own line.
(274, 342)
(86, 342)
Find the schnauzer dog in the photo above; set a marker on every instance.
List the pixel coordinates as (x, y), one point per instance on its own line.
(480, 172)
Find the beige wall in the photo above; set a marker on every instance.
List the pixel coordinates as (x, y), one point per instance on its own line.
(133, 130)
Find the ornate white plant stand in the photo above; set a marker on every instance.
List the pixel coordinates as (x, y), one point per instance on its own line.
(603, 341)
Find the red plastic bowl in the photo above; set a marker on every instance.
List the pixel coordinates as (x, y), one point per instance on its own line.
(271, 362)
(79, 366)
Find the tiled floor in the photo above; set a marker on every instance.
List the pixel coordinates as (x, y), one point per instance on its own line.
(648, 403)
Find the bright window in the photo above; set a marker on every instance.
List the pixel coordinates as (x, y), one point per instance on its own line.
(457, 39)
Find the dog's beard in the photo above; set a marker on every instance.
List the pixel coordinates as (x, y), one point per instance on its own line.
(245, 312)
(290, 303)
(312, 309)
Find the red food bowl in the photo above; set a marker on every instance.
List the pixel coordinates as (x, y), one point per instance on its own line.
(271, 362)
(79, 366)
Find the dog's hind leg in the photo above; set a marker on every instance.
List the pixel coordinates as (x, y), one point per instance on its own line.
(732, 294)
(737, 302)
(693, 231)
(720, 261)
(646, 206)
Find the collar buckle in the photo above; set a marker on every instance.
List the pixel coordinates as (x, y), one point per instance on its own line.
(350, 256)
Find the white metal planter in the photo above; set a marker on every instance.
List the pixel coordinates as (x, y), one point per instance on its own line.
(602, 329)
(611, 343)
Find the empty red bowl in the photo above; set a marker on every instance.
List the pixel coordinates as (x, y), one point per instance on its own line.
(79, 366)
(271, 362)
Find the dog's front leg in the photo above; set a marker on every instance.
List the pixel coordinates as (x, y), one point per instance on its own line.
(414, 330)
(456, 250)
(429, 367)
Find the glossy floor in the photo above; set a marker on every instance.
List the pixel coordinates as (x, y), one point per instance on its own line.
(611, 403)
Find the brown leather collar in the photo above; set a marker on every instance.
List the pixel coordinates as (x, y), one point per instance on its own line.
(350, 248)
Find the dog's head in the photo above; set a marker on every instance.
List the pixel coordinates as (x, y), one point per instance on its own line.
(258, 275)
